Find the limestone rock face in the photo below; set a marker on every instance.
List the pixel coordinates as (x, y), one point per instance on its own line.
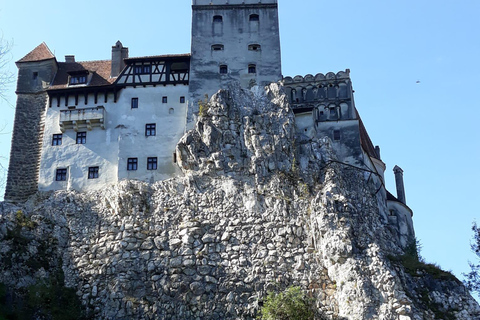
(258, 209)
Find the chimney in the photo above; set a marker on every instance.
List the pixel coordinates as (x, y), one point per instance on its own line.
(399, 182)
(119, 52)
(70, 58)
(377, 151)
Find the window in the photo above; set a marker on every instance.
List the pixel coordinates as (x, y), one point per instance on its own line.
(217, 47)
(78, 79)
(132, 164)
(35, 75)
(164, 99)
(57, 139)
(150, 129)
(134, 103)
(61, 175)
(217, 19)
(182, 99)
(254, 47)
(336, 135)
(142, 69)
(254, 17)
(93, 173)
(223, 69)
(252, 68)
(81, 137)
(152, 163)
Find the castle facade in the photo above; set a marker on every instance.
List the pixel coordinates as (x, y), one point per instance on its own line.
(83, 125)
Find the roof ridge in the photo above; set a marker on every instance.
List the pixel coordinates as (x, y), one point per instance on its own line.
(39, 53)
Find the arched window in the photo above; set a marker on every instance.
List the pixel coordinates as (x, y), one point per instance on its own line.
(217, 19)
(217, 47)
(223, 69)
(252, 68)
(254, 17)
(254, 47)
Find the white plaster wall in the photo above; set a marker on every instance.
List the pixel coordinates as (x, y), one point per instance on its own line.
(123, 137)
(170, 124)
(403, 220)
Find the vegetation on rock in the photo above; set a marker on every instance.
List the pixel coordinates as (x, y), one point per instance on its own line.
(473, 278)
(292, 304)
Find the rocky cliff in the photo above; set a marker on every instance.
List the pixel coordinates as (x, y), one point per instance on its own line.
(258, 209)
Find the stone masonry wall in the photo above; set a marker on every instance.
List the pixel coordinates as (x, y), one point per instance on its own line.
(245, 219)
(22, 180)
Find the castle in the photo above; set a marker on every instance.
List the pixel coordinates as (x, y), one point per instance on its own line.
(82, 125)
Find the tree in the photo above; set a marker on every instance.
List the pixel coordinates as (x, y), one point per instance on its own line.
(473, 278)
(6, 76)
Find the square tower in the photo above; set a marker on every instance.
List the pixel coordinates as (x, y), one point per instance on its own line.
(232, 40)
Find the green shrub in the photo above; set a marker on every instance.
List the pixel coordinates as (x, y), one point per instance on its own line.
(292, 304)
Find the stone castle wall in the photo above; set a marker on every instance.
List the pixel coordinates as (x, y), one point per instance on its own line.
(23, 170)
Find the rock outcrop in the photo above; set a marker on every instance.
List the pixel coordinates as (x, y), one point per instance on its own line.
(258, 209)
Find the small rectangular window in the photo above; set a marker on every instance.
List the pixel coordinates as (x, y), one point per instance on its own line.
(61, 175)
(254, 17)
(336, 135)
(81, 137)
(223, 69)
(152, 163)
(134, 103)
(78, 79)
(217, 19)
(252, 68)
(57, 139)
(142, 69)
(182, 99)
(217, 47)
(132, 164)
(164, 99)
(93, 173)
(150, 129)
(35, 75)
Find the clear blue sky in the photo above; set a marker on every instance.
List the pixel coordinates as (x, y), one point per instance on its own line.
(430, 129)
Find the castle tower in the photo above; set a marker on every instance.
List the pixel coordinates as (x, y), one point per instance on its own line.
(232, 40)
(35, 72)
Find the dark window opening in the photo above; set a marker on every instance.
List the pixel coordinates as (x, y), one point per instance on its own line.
(81, 137)
(145, 69)
(164, 99)
(35, 75)
(217, 47)
(134, 103)
(152, 163)
(254, 47)
(150, 129)
(252, 68)
(223, 69)
(254, 17)
(174, 157)
(132, 164)
(61, 175)
(57, 139)
(182, 99)
(336, 135)
(217, 19)
(333, 112)
(80, 79)
(93, 173)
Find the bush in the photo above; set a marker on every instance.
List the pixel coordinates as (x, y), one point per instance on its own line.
(292, 304)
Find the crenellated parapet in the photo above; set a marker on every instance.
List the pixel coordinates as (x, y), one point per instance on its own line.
(329, 96)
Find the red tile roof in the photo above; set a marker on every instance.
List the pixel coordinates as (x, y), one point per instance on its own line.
(101, 73)
(41, 52)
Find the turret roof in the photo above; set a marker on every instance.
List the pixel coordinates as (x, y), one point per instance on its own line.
(40, 53)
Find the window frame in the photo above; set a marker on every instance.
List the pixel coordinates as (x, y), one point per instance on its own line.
(93, 172)
(182, 99)
(132, 164)
(61, 174)
(152, 163)
(81, 137)
(77, 79)
(134, 103)
(252, 68)
(218, 47)
(140, 69)
(150, 129)
(57, 139)
(217, 18)
(223, 69)
(165, 99)
(254, 47)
